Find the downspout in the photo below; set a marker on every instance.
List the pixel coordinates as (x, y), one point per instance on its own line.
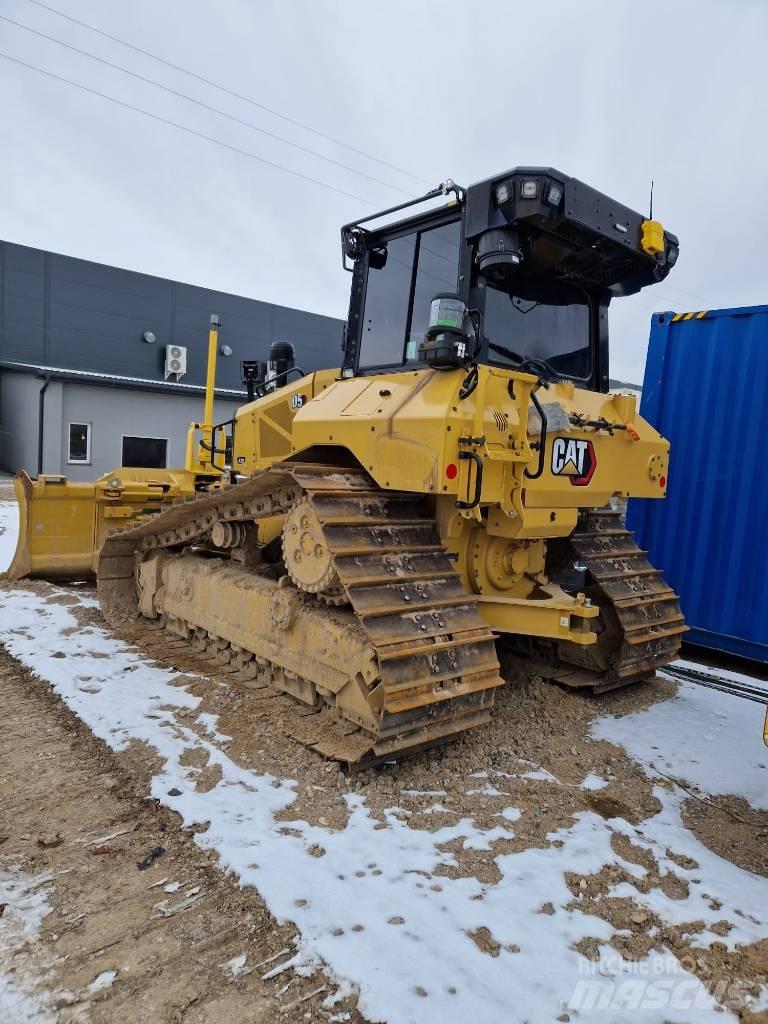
(41, 424)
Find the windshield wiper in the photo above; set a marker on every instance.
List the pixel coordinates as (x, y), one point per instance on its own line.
(521, 362)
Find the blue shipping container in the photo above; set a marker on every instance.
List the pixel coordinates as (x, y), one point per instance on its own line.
(706, 390)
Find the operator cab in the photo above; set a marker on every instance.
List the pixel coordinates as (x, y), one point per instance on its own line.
(515, 271)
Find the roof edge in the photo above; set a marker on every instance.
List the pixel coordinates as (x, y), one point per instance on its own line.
(113, 380)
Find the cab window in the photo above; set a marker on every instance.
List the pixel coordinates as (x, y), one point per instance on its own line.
(399, 289)
(387, 296)
(437, 271)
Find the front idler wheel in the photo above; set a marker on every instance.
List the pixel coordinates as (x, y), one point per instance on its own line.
(308, 559)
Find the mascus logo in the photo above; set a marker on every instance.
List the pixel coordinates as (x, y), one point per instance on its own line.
(574, 459)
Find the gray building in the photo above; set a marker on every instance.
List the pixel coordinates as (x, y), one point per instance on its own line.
(102, 367)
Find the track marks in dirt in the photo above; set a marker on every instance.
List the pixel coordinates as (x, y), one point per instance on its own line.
(56, 780)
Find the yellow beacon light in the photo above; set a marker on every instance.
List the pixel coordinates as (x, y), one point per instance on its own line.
(652, 237)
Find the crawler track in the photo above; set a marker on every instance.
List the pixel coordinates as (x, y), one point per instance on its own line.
(409, 664)
(409, 661)
(641, 618)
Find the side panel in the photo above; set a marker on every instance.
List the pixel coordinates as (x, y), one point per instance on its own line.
(264, 430)
(406, 429)
(706, 390)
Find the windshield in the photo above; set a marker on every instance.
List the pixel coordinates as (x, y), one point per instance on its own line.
(556, 332)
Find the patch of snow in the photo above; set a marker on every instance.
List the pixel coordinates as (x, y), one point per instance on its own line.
(124, 697)
(9, 531)
(26, 902)
(758, 1003)
(343, 991)
(26, 906)
(632, 990)
(703, 736)
(486, 790)
(208, 722)
(236, 966)
(743, 897)
(102, 981)
(438, 809)
(20, 1008)
(483, 839)
(423, 792)
(512, 813)
(405, 930)
(540, 775)
(593, 782)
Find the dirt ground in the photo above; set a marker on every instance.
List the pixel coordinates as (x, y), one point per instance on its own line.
(71, 807)
(72, 810)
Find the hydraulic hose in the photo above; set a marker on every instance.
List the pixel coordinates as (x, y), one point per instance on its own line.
(542, 440)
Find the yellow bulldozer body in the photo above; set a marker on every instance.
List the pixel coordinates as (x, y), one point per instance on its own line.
(407, 428)
(411, 431)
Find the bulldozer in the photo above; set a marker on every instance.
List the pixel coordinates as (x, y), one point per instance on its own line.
(370, 539)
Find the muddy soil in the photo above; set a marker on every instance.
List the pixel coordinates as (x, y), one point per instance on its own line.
(537, 729)
(74, 811)
(533, 757)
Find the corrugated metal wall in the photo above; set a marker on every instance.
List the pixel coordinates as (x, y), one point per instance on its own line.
(706, 390)
(70, 313)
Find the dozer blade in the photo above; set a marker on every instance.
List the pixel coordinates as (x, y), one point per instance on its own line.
(56, 528)
(62, 524)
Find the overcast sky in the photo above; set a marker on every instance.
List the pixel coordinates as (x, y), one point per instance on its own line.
(614, 93)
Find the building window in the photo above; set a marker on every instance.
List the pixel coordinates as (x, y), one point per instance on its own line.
(145, 452)
(79, 443)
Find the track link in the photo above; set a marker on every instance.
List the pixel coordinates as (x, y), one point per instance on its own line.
(435, 664)
(642, 621)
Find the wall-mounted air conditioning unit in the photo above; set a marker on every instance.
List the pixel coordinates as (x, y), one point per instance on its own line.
(175, 361)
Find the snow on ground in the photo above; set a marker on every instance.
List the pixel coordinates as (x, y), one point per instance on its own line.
(402, 932)
(25, 905)
(9, 527)
(374, 907)
(593, 782)
(709, 739)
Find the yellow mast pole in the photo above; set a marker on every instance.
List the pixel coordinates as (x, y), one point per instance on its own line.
(204, 457)
(210, 382)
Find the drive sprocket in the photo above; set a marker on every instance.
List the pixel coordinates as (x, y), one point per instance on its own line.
(307, 557)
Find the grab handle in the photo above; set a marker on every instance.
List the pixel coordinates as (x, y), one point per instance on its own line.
(478, 480)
